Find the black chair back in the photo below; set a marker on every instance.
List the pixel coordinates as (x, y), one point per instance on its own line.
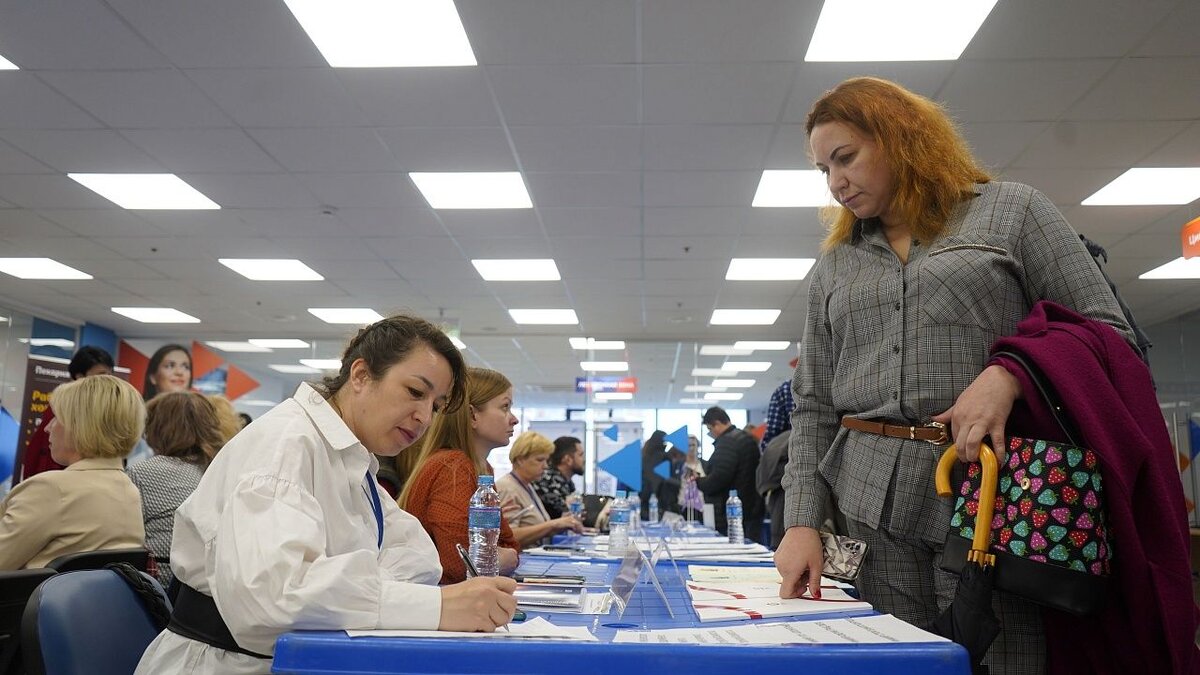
(96, 560)
(15, 590)
(592, 506)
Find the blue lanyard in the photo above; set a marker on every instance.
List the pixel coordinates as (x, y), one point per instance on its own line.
(376, 506)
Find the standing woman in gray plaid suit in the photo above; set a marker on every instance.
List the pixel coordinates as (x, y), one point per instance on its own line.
(926, 263)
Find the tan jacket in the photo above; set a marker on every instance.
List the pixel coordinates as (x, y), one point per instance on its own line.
(531, 510)
(89, 506)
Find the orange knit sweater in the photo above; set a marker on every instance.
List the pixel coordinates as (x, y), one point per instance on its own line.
(441, 491)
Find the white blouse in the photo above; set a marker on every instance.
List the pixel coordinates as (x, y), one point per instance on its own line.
(282, 534)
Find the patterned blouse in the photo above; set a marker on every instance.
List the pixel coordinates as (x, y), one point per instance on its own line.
(553, 489)
(165, 482)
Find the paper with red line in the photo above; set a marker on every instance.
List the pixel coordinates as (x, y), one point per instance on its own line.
(833, 600)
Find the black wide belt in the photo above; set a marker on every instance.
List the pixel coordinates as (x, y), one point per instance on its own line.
(196, 617)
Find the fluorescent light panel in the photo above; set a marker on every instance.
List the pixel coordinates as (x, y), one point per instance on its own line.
(1179, 268)
(457, 342)
(913, 30)
(164, 191)
(246, 347)
(357, 315)
(532, 269)
(716, 396)
(271, 269)
(763, 345)
(155, 314)
(792, 188)
(596, 345)
(747, 366)
(693, 401)
(40, 268)
(701, 388)
(734, 384)
(613, 396)
(276, 343)
(544, 317)
(1138, 187)
(293, 369)
(604, 366)
(473, 190)
(769, 269)
(5, 64)
(323, 364)
(712, 372)
(385, 33)
(62, 343)
(744, 317)
(724, 350)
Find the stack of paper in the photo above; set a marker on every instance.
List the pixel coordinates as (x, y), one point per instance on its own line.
(883, 628)
(534, 628)
(725, 594)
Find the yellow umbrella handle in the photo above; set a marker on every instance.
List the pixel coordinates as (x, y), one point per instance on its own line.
(987, 498)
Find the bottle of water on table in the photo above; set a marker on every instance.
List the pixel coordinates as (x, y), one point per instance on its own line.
(575, 505)
(733, 518)
(635, 511)
(618, 527)
(654, 508)
(483, 527)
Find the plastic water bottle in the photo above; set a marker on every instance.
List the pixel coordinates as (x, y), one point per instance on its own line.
(733, 517)
(575, 504)
(654, 508)
(618, 527)
(635, 511)
(483, 528)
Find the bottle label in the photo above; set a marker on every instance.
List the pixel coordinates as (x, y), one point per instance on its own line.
(618, 517)
(733, 511)
(483, 518)
(576, 508)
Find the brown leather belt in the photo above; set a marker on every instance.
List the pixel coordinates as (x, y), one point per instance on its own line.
(934, 432)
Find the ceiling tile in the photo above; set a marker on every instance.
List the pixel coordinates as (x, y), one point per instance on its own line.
(83, 151)
(593, 32)
(749, 93)
(203, 150)
(677, 31)
(139, 99)
(710, 146)
(449, 149)
(326, 149)
(1019, 91)
(578, 148)
(74, 34)
(1170, 84)
(293, 97)
(566, 94)
(1028, 29)
(30, 104)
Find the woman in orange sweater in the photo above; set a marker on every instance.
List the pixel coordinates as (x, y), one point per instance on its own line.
(453, 454)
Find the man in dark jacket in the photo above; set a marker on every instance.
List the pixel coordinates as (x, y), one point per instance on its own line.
(733, 466)
(769, 482)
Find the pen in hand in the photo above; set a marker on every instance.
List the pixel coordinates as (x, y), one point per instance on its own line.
(462, 553)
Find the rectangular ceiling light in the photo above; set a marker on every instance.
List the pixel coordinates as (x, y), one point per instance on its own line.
(701, 388)
(763, 345)
(613, 396)
(5, 64)
(293, 369)
(385, 33)
(744, 317)
(285, 343)
(596, 345)
(473, 190)
(358, 315)
(61, 343)
(792, 188)
(271, 269)
(913, 30)
(724, 350)
(40, 268)
(717, 396)
(533, 269)
(694, 401)
(323, 364)
(1137, 187)
(457, 342)
(544, 317)
(712, 372)
(155, 315)
(734, 384)
(747, 366)
(1179, 268)
(164, 191)
(238, 347)
(604, 366)
(768, 269)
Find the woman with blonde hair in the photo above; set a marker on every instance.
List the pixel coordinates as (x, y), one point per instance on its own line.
(927, 262)
(184, 429)
(227, 417)
(90, 505)
(453, 455)
(530, 521)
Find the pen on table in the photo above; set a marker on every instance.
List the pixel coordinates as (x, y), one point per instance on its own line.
(462, 553)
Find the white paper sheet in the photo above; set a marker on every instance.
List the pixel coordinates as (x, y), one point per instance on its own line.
(857, 630)
(536, 627)
(832, 600)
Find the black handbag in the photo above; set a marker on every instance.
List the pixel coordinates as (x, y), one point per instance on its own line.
(1044, 514)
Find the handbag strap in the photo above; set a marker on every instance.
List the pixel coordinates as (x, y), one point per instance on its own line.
(1043, 389)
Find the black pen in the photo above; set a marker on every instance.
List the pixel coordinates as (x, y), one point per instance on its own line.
(462, 553)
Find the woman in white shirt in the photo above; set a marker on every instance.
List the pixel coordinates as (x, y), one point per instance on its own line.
(287, 531)
(528, 518)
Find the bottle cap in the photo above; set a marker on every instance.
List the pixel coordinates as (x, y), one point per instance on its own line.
(732, 494)
(487, 479)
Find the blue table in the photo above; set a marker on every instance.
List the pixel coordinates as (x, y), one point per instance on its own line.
(332, 653)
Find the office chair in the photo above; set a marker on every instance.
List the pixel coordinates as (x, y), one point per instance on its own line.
(92, 622)
(96, 560)
(15, 589)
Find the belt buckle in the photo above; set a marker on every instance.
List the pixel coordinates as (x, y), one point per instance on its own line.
(942, 438)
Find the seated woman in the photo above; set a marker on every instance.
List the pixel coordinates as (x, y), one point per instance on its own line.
(528, 518)
(453, 455)
(184, 430)
(91, 505)
(287, 531)
(86, 362)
